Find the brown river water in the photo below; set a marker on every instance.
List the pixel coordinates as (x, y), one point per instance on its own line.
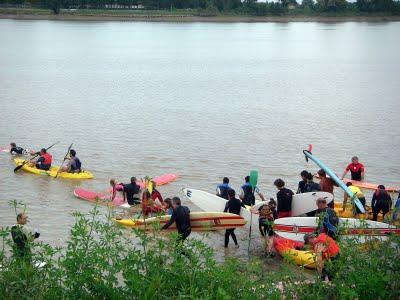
(199, 100)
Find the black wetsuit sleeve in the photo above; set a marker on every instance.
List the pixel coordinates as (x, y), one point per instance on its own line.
(226, 206)
(171, 220)
(373, 200)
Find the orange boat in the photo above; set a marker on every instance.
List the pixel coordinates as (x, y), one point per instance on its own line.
(370, 186)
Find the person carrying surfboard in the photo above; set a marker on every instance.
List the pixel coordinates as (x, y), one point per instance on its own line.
(233, 206)
(356, 169)
(222, 189)
(247, 193)
(284, 198)
(181, 216)
(326, 249)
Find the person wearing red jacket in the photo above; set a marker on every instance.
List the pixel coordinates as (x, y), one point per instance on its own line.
(44, 161)
(356, 169)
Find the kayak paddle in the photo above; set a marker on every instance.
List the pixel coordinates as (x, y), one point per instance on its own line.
(65, 157)
(26, 161)
(253, 183)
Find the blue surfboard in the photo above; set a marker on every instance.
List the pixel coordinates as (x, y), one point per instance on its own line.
(333, 176)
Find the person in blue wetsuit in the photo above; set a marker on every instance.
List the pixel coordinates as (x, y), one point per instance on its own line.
(222, 189)
(247, 193)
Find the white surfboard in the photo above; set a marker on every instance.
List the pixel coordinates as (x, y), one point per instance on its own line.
(306, 202)
(295, 228)
(212, 203)
(301, 203)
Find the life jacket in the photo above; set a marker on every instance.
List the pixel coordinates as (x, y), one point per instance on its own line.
(47, 159)
(331, 248)
(77, 165)
(223, 189)
(248, 194)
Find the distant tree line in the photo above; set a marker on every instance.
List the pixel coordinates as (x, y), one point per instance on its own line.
(214, 7)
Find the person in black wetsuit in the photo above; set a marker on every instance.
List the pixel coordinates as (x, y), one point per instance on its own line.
(22, 237)
(222, 189)
(381, 200)
(233, 206)
(311, 186)
(15, 150)
(247, 193)
(302, 183)
(181, 216)
(131, 192)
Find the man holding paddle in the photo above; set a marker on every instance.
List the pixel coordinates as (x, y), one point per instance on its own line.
(44, 161)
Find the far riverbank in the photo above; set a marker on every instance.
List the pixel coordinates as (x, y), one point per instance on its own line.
(166, 16)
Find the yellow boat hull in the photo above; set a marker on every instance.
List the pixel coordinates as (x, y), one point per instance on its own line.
(53, 171)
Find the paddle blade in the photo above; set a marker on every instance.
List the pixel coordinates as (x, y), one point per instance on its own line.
(18, 167)
(253, 178)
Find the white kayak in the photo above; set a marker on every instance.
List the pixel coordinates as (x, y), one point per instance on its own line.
(295, 228)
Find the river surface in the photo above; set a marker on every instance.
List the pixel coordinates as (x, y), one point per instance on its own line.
(200, 100)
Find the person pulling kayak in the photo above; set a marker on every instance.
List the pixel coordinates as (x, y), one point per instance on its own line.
(381, 201)
(247, 193)
(44, 161)
(356, 169)
(16, 150)
(357, 192)
(74, 165)
(131, 192)
(222, 189)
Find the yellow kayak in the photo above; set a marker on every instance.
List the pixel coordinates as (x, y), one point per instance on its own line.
(53, 171)
(287, 249)
(348, 212)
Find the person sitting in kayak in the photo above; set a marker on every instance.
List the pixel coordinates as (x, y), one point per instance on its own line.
(222, 189)
(247, 193)
(131, 192)
(356, 169)
(302, 183)
(328, 220)
(44, 161)
(357, 192)
(326, 249)
(311, 186)
(267, 215)
(284, 198)
(381, 201)
(15, 150)
(74, 164)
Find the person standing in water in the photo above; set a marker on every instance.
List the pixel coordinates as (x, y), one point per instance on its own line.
(131, 192)
(302, 183)
(222, 189)
(284, 198)
(247, 193)
(381, 201)
(356, 169)
(15, 150)
(233, 206)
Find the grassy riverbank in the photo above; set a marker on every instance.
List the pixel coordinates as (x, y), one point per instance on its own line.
(182, 16)
(103, 261)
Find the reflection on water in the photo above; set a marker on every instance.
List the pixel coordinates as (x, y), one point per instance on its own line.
(200, 100)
